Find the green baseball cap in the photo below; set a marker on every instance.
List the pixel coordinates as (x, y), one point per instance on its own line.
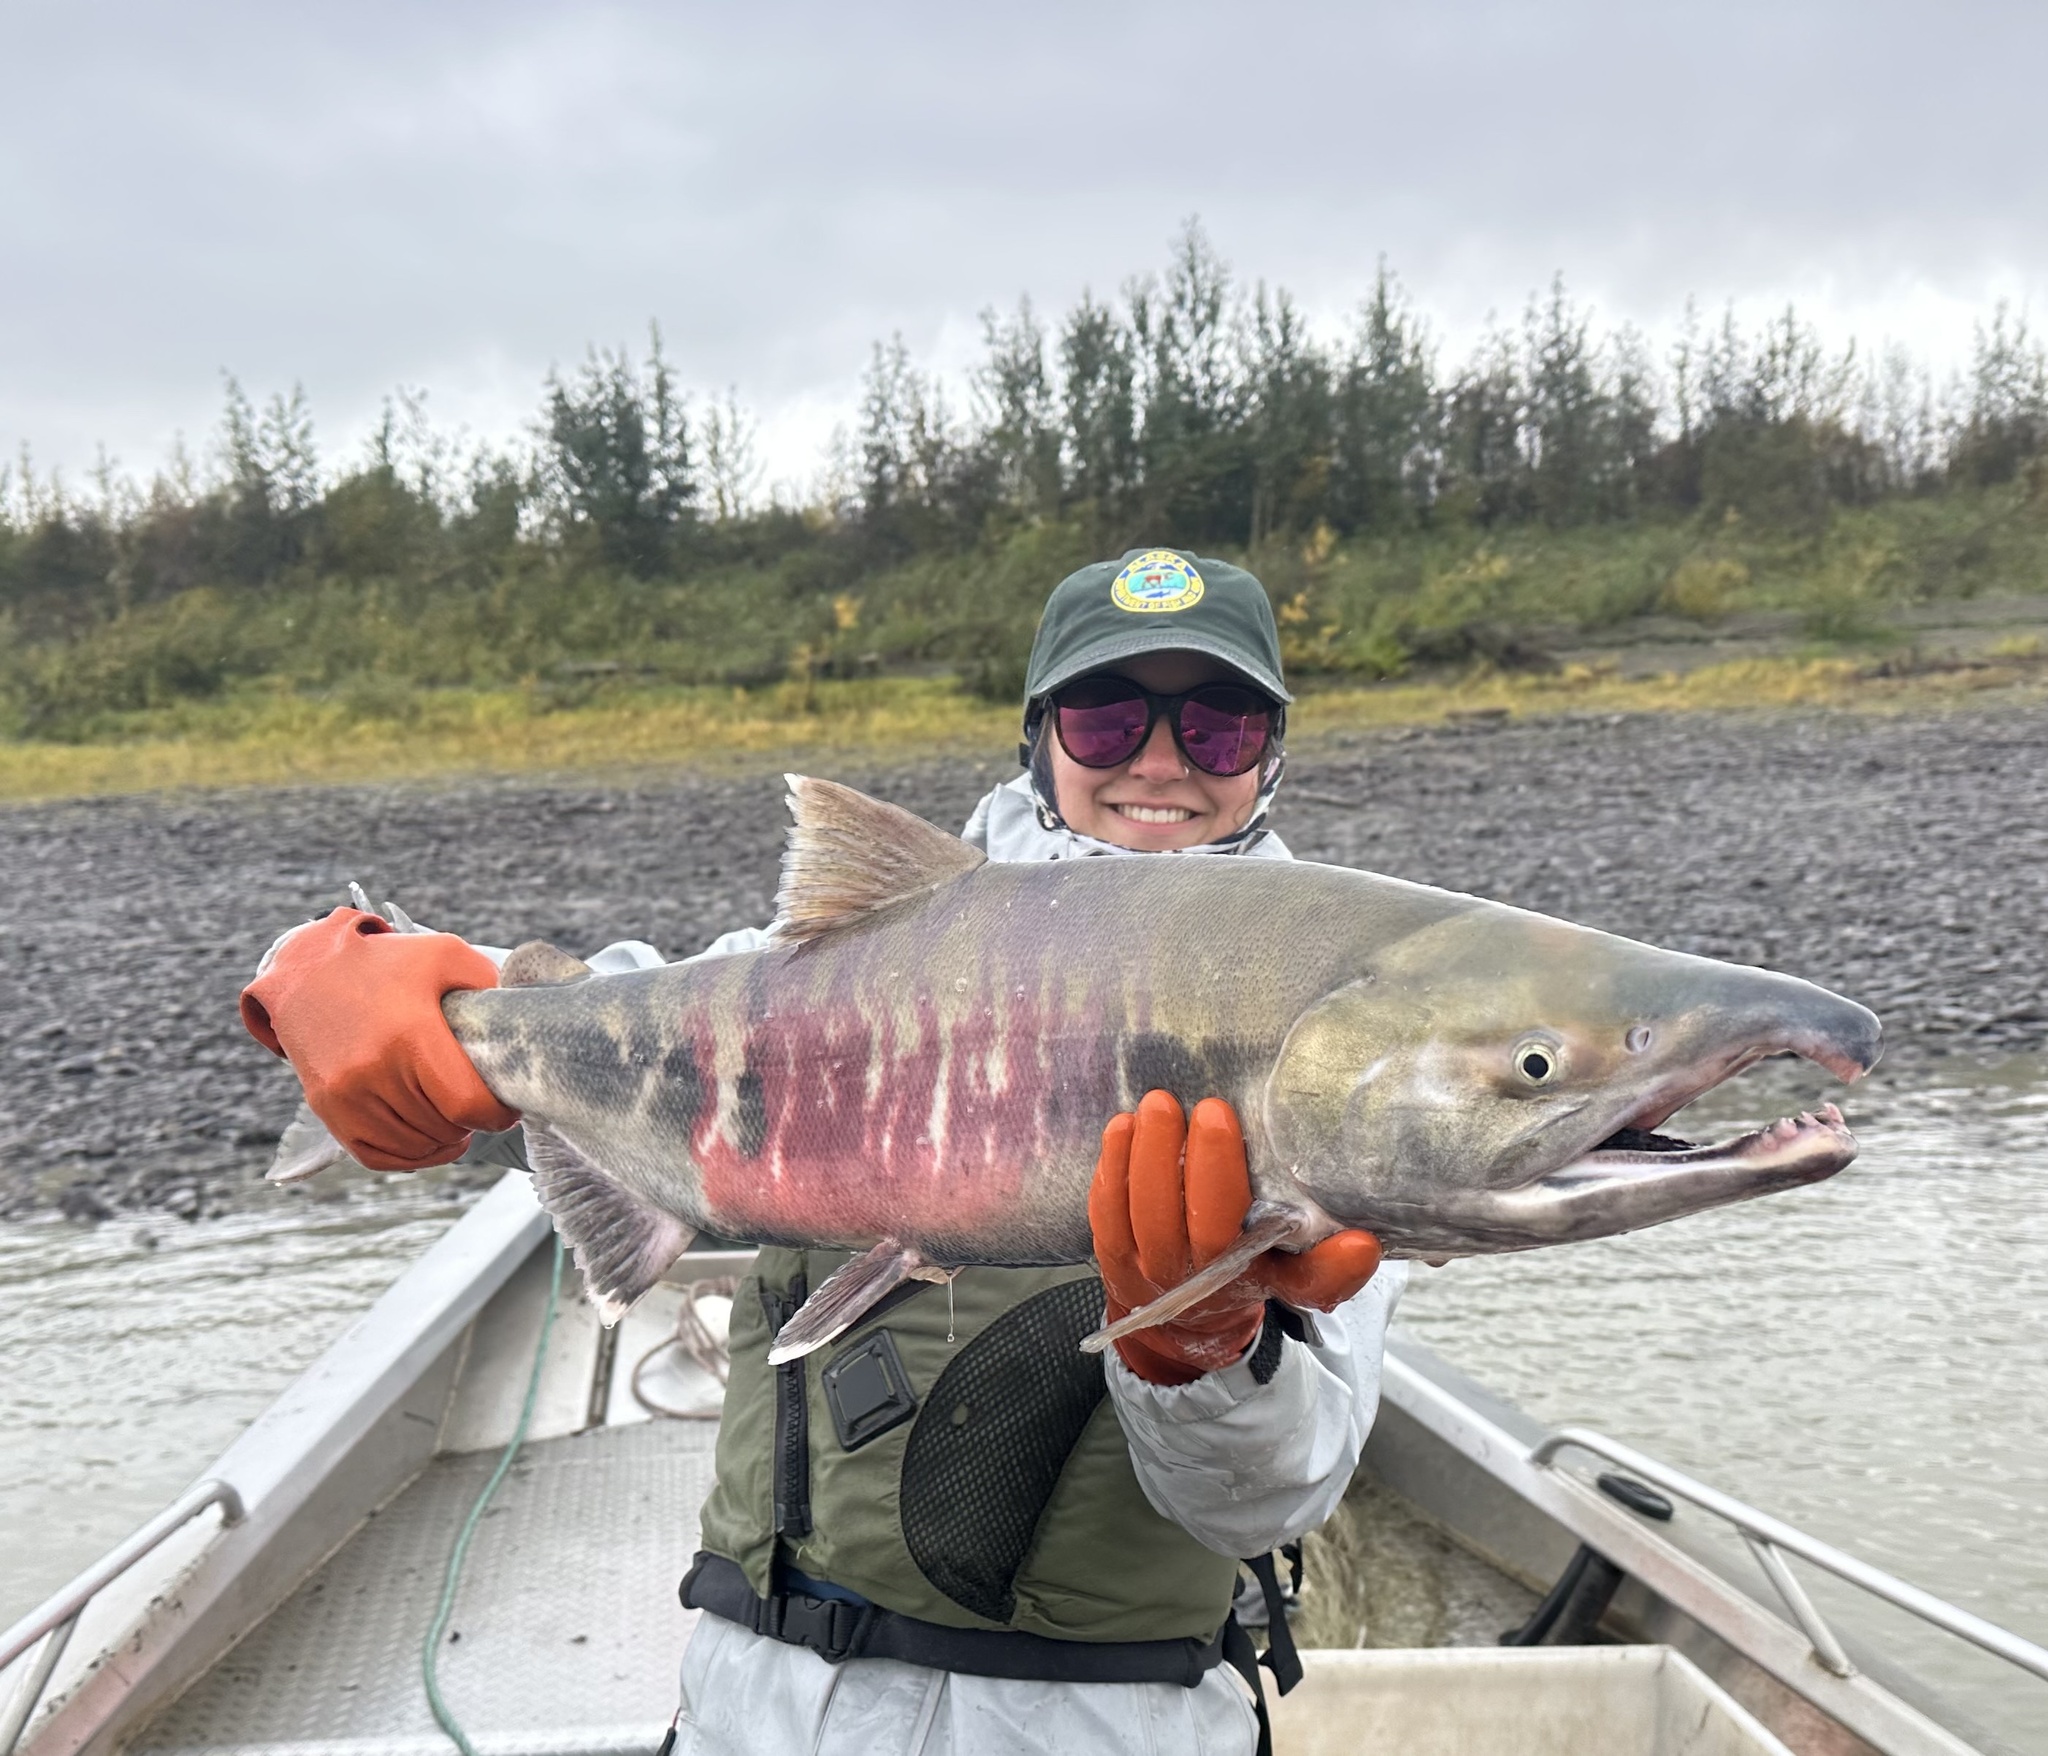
(1155, 600)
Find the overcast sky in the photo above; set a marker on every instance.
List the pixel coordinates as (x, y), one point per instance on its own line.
(458, 195)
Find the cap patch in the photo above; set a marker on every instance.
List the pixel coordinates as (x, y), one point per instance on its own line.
(1156, 582)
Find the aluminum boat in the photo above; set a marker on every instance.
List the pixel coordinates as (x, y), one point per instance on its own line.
(279, 1606)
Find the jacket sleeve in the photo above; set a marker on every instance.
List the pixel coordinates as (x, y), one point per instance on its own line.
(1242, 1466)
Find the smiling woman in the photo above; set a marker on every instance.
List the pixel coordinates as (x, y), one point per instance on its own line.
(1159, 797)
(1154, 708)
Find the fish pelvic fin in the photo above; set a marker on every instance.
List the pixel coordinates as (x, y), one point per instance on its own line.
(622, 1245)
(1263, 1231)
(850, 856)
(537, 964)
(304, 1149)
(846, 1296)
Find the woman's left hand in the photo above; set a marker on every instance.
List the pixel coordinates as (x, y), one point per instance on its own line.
(1170, 1195)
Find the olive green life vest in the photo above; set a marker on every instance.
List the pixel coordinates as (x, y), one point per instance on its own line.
(976, 1481)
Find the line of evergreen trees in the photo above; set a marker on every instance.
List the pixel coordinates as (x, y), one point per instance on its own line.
(1191, 410)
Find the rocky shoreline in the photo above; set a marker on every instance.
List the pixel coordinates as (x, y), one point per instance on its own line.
(1901, 860)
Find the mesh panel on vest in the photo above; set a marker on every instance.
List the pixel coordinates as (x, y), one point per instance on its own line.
(990, 1442)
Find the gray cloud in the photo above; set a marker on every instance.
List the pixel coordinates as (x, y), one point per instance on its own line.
(461, 195)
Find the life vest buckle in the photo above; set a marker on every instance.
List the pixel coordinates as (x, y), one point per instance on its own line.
(834, 1630)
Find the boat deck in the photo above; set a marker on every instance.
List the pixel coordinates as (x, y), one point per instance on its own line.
(566, 1629)
(285, 1619)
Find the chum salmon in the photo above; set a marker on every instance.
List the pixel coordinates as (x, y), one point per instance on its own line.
(920, 1066)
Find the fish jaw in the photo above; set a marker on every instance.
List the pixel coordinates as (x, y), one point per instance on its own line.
(1612, 1189)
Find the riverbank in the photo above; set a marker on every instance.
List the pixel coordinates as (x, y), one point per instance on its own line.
(1901, 858)
(266, 737)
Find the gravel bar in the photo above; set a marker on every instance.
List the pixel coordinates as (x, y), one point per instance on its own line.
(1902, 860)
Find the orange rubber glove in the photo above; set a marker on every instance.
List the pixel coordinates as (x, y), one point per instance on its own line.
(1169, 1197)
(356, 1008)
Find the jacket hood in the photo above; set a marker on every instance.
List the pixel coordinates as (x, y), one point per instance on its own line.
(1014, 823)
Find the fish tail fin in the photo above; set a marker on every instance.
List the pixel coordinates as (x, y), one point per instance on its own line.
(1280, 1225)
(304, 1149)
(846, 1296)
(621, 1244)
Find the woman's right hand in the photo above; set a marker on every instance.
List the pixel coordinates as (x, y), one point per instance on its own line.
(356, 1008)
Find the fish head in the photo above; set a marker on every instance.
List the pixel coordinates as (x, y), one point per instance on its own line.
(1496, 1081)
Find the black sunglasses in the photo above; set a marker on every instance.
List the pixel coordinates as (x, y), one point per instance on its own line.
(1222, 729)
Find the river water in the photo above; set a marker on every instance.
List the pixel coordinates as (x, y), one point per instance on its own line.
(1864, 1358)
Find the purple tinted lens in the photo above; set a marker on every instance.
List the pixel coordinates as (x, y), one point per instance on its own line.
(1102, 734)
(1224, 731)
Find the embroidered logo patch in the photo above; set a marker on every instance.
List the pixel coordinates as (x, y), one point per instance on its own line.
(1157, 581)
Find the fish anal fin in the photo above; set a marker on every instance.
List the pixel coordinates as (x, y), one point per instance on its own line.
(621, 1244)
(537, 964)
(846, 1296)
(1263, 1232)
(850, 856)
(305, 1148)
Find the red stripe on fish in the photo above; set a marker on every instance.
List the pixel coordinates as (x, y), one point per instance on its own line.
(843, 1123)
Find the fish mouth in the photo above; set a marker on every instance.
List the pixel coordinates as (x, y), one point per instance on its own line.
(1800, 1148)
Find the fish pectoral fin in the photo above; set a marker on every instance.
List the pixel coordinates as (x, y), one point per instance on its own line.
(621, 1244)
(537, 964)
(846, 1297)
(1277, 1226)
(304, 1149)
(851, 856)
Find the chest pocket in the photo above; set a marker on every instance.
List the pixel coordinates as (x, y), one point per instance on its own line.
(991, 1441)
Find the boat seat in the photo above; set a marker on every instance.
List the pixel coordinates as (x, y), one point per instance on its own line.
(566, 1635)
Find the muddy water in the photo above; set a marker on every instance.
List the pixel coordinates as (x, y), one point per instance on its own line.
(1865, 1358)
(136, 1350)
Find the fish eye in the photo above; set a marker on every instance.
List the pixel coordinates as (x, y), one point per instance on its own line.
(1638, 1038)
(1538, 1062)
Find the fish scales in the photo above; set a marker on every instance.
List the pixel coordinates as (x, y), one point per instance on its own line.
(922, 1067)
(941, 1075)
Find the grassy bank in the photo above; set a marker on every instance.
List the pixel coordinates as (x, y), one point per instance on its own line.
(268, 737)
(1358, 609)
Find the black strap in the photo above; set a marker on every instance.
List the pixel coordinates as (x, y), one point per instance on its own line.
(1280, 1656)
(1281, 1324)
(837, 1631)
(792, 1418)
(1243, 1658)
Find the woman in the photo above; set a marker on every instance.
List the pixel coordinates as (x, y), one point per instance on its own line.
(954, 1533)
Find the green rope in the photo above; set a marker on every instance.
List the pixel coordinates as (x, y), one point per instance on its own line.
(430, 1653)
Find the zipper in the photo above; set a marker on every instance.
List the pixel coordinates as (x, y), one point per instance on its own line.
(792, 1459)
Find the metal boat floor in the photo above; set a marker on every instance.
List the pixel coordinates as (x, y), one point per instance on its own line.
(566, 1636)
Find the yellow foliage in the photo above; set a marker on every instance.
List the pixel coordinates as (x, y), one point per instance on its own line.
(274, 738)
(1704, 589)
(845, 612)
(1295, 610)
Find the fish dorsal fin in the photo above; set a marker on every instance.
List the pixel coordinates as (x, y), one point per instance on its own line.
(537, 964)
(851, 856)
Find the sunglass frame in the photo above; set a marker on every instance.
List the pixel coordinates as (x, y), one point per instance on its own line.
(1156, 705)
